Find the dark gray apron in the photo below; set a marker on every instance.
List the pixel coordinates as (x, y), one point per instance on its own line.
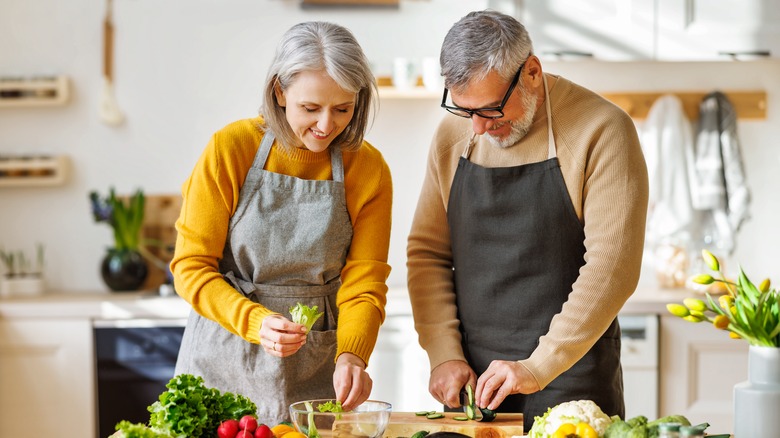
(517, 248)
(287, 243)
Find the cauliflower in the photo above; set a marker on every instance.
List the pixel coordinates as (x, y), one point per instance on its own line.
(576, 411)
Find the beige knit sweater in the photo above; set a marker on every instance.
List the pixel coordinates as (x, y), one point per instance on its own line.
(606, 177)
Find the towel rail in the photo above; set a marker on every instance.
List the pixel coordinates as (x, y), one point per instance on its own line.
(748, 104)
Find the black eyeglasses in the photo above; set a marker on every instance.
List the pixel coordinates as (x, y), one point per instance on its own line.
(487, 113)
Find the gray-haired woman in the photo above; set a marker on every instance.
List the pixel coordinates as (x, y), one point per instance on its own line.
(289, 207)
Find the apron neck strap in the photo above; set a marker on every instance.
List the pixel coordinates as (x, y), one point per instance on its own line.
(551, 152)
(265, 148)
(336, 160)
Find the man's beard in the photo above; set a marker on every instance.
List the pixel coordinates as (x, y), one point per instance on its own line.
(520, 127)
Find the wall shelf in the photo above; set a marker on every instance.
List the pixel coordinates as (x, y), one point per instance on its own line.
(34, 91)
(33, 171)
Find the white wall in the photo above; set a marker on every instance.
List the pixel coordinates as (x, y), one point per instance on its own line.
(185, 68)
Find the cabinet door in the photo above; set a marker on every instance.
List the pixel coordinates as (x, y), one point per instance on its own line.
(617, 30)
(46, 374)
(399, 367)
(709, 29)
(699, 368)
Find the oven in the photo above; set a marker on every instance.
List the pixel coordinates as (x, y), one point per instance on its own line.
(134, 360)
(639, 359)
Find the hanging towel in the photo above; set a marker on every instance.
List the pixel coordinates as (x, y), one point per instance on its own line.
(719, 173)
(667, 143)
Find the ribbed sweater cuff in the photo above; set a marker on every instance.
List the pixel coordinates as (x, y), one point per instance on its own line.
(355, 345)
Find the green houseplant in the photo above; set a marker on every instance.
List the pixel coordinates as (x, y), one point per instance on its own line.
(22, 273)
(751, 313)
(123, 268)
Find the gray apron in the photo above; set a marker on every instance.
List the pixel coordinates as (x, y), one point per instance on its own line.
(287, 243)
(517, 248)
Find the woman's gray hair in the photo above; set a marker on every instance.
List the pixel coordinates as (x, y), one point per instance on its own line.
(316, 46)
(481, 42)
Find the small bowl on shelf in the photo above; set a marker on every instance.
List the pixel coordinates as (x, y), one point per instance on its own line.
(369, 420)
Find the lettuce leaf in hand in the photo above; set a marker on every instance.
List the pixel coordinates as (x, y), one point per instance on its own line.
(303, 314)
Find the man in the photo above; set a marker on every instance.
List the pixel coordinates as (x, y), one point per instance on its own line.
(528, 234)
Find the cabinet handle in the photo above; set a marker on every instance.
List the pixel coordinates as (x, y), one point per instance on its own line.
(561, 53)
(751, 53)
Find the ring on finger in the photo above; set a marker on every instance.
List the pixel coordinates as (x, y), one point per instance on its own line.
(274, 347)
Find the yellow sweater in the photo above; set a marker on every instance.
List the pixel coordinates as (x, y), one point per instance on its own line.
(606, 178)
(211, 196)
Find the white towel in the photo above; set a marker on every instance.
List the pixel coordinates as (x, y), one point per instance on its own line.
(667, 142)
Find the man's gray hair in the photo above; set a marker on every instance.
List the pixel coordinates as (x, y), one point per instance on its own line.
(481, 42)
(315, 46)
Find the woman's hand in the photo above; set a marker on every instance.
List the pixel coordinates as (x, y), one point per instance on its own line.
(351, 381)
(281, 337)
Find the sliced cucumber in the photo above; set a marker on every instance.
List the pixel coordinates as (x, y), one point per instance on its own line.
(420, 434)
(423, 413)
(460, 418)
(488, 415)
(434, 415)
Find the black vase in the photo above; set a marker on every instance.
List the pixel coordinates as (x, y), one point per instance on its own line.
(123, 270)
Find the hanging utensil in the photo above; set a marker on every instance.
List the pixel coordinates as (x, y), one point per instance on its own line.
(110, 113)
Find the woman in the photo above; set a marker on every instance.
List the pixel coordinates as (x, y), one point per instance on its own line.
(289, 207)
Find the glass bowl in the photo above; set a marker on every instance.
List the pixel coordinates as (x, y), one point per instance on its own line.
(369, 420)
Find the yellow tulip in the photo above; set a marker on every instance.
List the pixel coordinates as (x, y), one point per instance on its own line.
(678, 310)
(695, 304)
(711, 260)
(721, 322)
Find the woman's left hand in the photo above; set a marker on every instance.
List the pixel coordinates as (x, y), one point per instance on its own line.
(351, 381)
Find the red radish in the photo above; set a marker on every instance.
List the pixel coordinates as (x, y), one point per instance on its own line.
(228, 429)
(248, 423)
(263, 431)
(243, 433)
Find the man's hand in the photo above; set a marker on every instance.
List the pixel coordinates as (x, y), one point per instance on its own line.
(351, 381)
(501, 379)
(447, 379)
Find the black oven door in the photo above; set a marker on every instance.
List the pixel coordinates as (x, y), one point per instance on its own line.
(135, 359)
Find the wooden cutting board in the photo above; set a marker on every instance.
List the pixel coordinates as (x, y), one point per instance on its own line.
(405, 424)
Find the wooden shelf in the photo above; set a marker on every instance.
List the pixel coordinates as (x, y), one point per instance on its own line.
(386, 92)
(748, 104)
(33, 171)
(35, 91)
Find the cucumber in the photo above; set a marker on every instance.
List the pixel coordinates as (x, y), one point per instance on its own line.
(487, 415)
(420, 434)
(423, 413)
(434, 415)
(460, 418)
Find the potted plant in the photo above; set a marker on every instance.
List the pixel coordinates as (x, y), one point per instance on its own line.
(22, 274)
(123, 268)
(751, 313)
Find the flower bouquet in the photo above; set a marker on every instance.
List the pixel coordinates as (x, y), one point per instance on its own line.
(746, 311)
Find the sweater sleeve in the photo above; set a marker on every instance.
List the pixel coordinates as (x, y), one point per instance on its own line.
(363, 294)
(210, 196)
(614, 195)
(429, 255)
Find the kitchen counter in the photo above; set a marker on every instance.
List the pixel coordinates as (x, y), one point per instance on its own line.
(149, 304)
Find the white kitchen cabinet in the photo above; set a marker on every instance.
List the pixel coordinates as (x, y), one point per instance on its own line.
(46, 373)
(399, 367)
(618, 30)
(699, 368)
(708, 29)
